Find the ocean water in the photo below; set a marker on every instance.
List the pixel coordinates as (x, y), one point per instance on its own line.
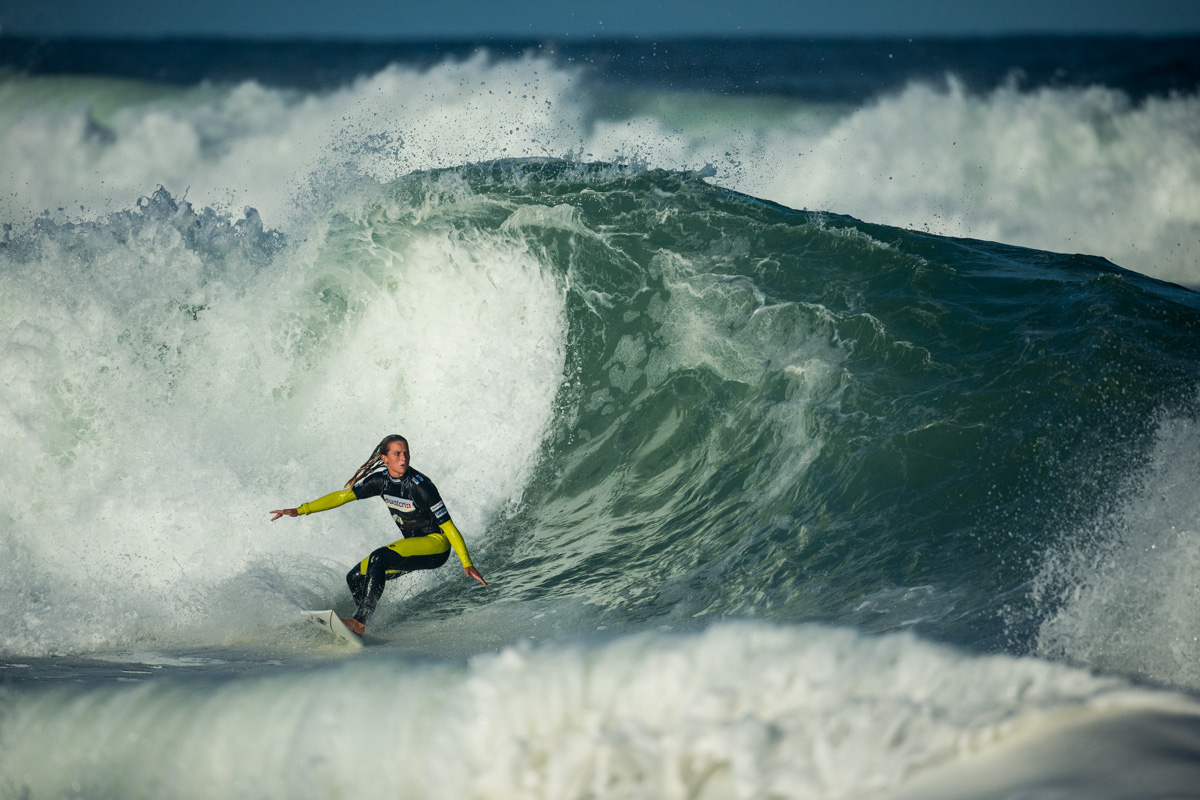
(823, 414)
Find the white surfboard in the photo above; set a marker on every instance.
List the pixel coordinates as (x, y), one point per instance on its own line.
(332, 623)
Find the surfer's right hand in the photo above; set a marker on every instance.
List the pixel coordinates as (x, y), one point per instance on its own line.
(474, 573)
(284, 512)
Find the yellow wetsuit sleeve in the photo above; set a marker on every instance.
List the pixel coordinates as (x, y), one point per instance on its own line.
(456, 541)
(331, 500)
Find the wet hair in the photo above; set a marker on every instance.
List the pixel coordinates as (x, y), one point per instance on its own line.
(372, 463)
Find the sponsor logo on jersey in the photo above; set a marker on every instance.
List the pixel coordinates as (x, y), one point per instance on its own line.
(439, 510)
(401, 504)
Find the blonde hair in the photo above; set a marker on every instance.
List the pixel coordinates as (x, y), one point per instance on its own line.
(376, 459)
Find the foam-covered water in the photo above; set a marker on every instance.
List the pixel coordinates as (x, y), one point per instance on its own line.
(1068, 169)
(162, 358)
(773, 503)
(830, 714)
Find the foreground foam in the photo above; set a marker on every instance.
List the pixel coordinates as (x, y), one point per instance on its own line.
(828, 714)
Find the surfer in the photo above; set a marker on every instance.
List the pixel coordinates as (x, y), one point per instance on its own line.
(415, 505)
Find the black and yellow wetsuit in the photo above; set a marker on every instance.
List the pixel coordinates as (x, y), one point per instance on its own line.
(428, 532)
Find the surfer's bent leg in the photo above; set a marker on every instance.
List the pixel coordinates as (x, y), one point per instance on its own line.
(366, 580)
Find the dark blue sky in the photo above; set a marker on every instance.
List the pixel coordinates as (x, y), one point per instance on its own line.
(562, 18)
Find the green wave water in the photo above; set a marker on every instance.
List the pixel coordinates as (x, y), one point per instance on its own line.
(798, 416)
(706, 405)
(773, 502)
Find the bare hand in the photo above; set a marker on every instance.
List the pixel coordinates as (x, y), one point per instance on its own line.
(474, 573)
(284, 512)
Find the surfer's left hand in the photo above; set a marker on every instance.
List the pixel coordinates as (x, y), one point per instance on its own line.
(474, 573)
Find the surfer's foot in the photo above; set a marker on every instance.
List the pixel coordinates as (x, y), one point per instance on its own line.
(355, 625)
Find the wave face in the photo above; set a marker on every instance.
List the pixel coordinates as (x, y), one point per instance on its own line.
(661, 400)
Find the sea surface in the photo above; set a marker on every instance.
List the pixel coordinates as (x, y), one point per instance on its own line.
(825, 415)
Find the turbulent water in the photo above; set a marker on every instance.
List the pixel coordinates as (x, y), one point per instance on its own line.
(773, 502)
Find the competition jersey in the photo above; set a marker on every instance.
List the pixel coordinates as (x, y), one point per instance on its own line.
(412, 499)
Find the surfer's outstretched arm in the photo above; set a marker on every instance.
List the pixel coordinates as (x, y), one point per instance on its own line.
(331, 500)
(455, 538)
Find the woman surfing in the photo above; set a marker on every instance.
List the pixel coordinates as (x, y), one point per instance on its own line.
(428, 532)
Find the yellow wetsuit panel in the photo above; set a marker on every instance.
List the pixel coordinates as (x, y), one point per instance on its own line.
(456, 541)
(430, 545)
(331, 500)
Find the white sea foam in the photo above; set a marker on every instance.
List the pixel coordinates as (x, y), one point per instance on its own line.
(1124, 591)
(739, 711)
(1077, 171)
(247, 145)
(167, 378)
(1070, 170)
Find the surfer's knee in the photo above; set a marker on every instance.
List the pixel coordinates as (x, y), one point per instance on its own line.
(376, 563)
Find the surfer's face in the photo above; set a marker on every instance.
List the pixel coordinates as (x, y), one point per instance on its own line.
(396, 459)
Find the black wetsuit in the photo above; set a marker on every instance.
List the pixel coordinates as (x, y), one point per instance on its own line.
(418, 510)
